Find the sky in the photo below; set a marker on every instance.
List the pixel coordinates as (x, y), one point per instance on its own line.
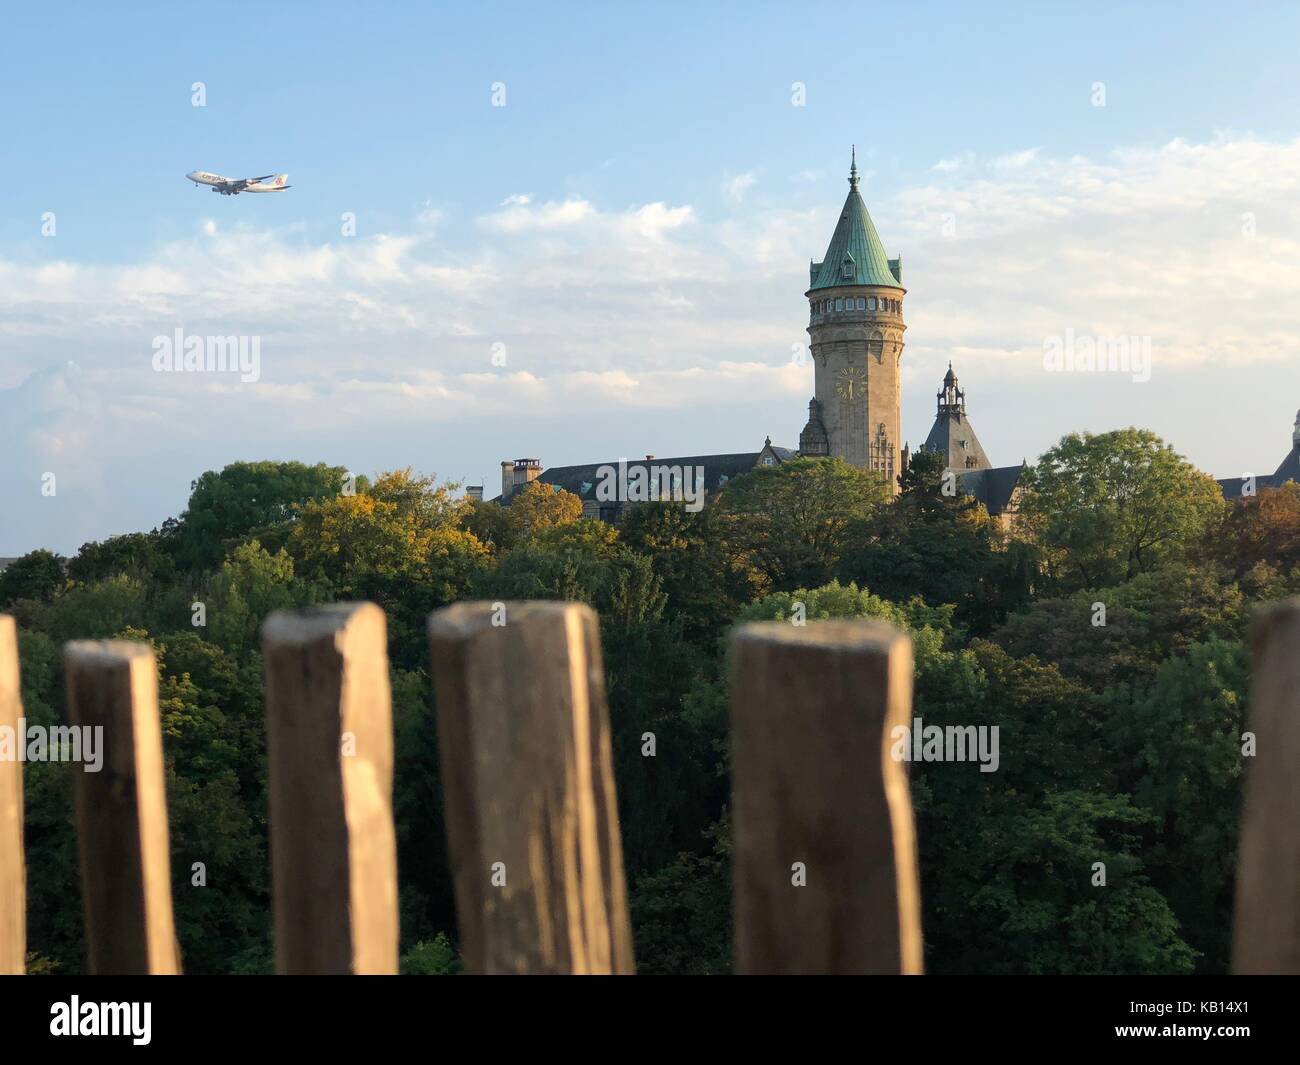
(578, 232)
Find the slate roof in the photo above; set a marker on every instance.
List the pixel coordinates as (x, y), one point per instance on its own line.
(992, 487)
(1231, 486)
(855, 241)
(1289, 470)
(718, 470)
(952, 434)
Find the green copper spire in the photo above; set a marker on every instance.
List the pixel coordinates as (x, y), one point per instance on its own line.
(855, 255)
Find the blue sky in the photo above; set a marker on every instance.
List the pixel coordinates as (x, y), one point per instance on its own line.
(633, 227)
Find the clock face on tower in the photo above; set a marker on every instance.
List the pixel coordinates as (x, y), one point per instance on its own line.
(851, 382)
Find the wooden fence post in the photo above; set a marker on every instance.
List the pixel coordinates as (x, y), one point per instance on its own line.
(330, 779)
(13, 874)
(1266, 933)
(527, 773)
(824, 866)
(112, 686)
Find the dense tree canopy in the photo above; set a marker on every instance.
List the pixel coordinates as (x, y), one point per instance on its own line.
(1102, 634)
(243, 499)
(790, 522)
(1105, 508)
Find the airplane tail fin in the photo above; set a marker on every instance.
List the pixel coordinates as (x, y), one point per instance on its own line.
(280, 179)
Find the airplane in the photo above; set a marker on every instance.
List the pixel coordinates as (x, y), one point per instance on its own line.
(234, 186)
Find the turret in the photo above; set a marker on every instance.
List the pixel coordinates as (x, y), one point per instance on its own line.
(856, 326)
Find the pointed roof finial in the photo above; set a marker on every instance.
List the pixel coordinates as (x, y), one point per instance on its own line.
(853, 170)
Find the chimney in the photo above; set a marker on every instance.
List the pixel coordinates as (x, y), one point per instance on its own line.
(474, 491)
(526, 470)
(507, 478)
(649, 458)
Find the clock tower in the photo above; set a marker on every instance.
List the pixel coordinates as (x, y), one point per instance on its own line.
(855, 304)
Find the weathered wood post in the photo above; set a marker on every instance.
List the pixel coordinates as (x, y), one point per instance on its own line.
(13, 870)
(1266, 933)
(112, 687)
(532, 822)
(330, 780)
(824, 866)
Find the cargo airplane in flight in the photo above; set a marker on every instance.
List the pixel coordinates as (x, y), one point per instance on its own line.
(234, 186)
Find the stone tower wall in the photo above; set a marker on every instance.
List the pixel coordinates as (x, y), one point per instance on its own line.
(852, 349)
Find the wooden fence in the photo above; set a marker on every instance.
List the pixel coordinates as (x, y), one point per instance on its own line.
(824, 866)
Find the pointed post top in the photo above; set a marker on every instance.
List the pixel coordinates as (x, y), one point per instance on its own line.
(853, 169)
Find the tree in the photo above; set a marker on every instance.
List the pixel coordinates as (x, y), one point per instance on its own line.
(589, 535)
(1108, 507)
(493, 525)
(397, 546)
(252, 583)
(703, 585)
(944, 548)
(1260, 529)
(141, 555)
(37, 575)
(1120, 635)
(542, 506)
(790, 522)
(403, 530)
(243, 499)
(1180, 746)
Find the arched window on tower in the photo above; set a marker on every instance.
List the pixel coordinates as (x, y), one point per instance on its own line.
(871, 303)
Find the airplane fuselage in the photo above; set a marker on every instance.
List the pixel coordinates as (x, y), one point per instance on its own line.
(234, 186)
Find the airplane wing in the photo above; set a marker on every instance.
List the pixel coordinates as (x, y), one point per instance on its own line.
(239, 184)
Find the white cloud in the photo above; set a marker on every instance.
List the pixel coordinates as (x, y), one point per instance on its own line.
(520, 217)
(954, 163)
(734, 188)
(1015, 160)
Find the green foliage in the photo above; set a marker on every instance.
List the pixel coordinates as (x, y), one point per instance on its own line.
(244, 499)
(1105, 508)
(437, 957)
(944, 548)
(90, 612)
(1148, 619)
(1119, 743)
(681, 914)
(790, 522)
(1181, 741)
(704, 588)
(140, 555)
(37, 575)
(251, 585)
